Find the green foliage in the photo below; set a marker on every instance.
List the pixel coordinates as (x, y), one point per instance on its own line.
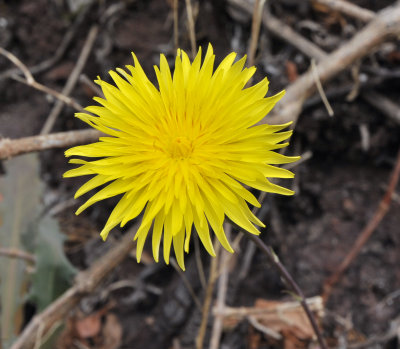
(20, 189)
(54, 272)
(21, 228)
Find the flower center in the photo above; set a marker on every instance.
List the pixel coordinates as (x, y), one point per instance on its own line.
(180, 147)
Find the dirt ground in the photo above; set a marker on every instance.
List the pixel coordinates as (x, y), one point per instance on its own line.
(338, 189)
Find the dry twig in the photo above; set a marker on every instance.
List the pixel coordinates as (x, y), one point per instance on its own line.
(21, 66)
(348, 8)
(221, 295)
(30, 81)
(85, 283)
(14, 253)
(176, 31)
(186, 283)
(192, 33)
(199, 262)
(212, 278)
(282, 30)
(239, 313)
(72, 79)
(255, 30)
(321, 89)
(13, 147)
(91, 85)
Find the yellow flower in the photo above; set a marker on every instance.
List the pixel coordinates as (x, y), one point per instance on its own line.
(182, 153)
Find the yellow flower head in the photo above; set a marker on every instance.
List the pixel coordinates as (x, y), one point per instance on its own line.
(182, 153)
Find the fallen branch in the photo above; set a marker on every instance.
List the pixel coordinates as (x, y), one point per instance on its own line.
(348, 8)
(85, 283)
(13, 147)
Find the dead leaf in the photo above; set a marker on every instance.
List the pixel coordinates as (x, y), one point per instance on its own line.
(253, 339)
(291, 71)
(68, 335)
(288, 320)
(89, 326)
(112, 332)
(278, 320)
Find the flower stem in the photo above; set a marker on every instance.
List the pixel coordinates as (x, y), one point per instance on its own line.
(267, 250)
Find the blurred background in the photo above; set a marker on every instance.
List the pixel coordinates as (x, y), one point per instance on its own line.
(339, 62)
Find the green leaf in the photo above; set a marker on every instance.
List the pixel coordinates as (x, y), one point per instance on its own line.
(20, 191)
(54, 273)
(21, 229)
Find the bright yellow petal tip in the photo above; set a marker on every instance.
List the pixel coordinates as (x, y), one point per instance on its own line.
(183, 151)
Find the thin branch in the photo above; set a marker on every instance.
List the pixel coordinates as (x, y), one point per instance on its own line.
(320, 88)
(208, 297)
(13, 147)
(255, 30)
(307, 155)
(91, 85)
(199, 262)
(283, 31)
(239, 313)
(85, 283)
(192, 33)
(176, 19)
(273, 258)
(221, 295)
(365, 233)
(186, 282)
(14, 253)
(348, 8)
(65, 99)
(16, 61)
(72, 79)
(30, 81)
(251, 247)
